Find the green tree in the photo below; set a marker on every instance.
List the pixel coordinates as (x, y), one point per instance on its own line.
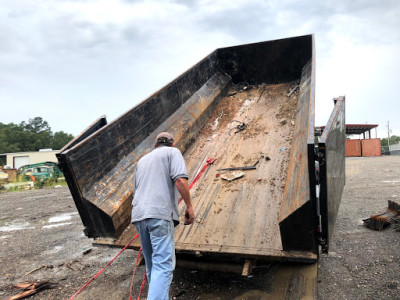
(31, 136)
(36, 134)
(36, 125)
(9, 138)
(60, 139)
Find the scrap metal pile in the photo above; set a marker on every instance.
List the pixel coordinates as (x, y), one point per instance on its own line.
(381, 221)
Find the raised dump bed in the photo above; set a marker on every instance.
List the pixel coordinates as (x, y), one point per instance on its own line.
(249, 105)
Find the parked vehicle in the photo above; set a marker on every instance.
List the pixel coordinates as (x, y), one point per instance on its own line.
(40, 172)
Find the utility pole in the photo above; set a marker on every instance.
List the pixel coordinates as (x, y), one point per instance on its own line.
(388, 136)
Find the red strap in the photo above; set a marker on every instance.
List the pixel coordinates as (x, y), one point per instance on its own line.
(209, 161)
(134, 272)
(142, 287)
(101, 271)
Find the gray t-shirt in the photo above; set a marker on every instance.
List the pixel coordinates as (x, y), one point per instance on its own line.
(155, 194)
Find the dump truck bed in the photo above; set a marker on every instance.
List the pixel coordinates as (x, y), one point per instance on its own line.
(240, 216)
(243, 106)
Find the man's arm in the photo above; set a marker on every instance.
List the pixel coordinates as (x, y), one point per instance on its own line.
(183, 188)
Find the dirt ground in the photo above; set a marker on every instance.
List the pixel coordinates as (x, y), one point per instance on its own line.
(362, 263)
(41, 238)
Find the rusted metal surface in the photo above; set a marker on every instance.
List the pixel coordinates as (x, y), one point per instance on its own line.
(256, 215)
(332, 169)
(371, 147)
(296, 221)
(353, 148)
(241, 217)
(92, 128)
(267, 62)
(101, 166)
(209, 266)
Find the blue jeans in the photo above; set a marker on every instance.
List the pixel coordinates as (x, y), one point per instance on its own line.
(158, 247)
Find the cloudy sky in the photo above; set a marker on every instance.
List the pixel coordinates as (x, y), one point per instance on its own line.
(71, 61)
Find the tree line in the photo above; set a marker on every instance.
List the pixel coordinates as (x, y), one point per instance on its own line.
(394, 139)
(31, 136)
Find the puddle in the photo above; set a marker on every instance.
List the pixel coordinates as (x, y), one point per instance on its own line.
(15, 227)
(42, 196)
(55, 250)
(56, 225)
(62, 218)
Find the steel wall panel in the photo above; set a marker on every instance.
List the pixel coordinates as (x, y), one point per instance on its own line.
(332, 170)
(296, 215)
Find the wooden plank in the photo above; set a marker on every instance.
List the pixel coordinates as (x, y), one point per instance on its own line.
(248, 267)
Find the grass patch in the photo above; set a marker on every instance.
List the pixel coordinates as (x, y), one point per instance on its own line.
(20, 185)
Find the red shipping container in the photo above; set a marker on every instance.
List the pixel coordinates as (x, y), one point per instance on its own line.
(353, 148)
(371, 147)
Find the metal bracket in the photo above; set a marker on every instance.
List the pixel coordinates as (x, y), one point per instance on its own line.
(323, 244)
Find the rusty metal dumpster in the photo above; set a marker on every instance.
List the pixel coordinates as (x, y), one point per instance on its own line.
(248, 105)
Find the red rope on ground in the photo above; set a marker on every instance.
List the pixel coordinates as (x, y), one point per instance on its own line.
(101, 271)
(134, 273)
(208, 162)
(141, 289)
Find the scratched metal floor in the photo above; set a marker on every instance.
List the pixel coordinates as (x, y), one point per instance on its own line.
(241, 216)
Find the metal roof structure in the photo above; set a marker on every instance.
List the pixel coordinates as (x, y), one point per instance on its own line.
(359, 128)
(351, 129)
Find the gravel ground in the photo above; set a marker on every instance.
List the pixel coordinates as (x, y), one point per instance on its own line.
(41, 238)
(362, 263)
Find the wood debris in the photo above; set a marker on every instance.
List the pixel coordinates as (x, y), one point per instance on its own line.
(31, 287)
(232, 175)
(381, 221)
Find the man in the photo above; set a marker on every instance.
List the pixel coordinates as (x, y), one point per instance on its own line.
(159, 176)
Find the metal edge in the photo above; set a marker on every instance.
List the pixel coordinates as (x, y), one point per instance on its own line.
(143, 102)
(311, 152)
(76, 193)
(324, 234)
(91, 129)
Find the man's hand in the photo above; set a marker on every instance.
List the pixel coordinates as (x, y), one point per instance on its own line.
(183, 188)
(189, 216)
